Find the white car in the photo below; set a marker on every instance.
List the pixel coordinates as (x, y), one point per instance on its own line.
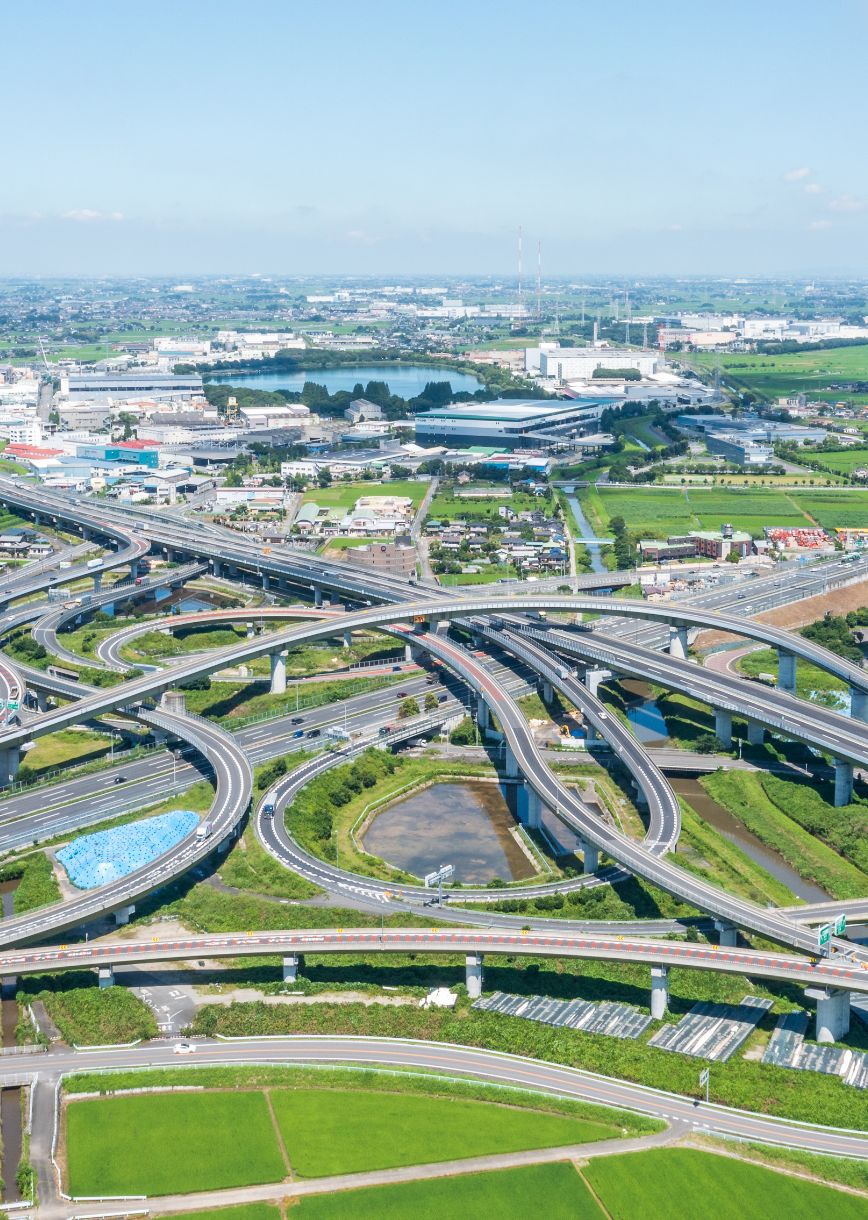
(184, 1048)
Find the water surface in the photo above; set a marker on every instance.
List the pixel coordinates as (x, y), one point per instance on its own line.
(405, 380)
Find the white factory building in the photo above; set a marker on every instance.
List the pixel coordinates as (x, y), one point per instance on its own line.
(580, 363)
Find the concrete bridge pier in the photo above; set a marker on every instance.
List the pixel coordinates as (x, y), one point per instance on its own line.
(723, 727)
(317, 594)
(678, 641)
(290, 967)
(438, 626)
(278, 672)
(217, 568)
(756, 734)
(659, 991)
(592, 678)
(843, 782)
(529, 808)
(106, 977)
(473, 975)
(122, 914)
(858, 703)
(266, 582)
(10, 761)
(786, 671)
(42, 701)
(640, 800)
(510, 763)
(97, 581)
(833, 1012)
(546, 691)
(251, 629)
(348, 639)
(409, 654)
(134, 570)
(727, 932)
(483, 715)
(590, 856)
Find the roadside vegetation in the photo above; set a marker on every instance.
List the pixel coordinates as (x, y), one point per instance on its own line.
(37, 884)
(85, 1013)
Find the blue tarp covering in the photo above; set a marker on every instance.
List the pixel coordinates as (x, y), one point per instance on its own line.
(98, 859)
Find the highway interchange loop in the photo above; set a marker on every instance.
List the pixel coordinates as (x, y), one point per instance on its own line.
(540, 646)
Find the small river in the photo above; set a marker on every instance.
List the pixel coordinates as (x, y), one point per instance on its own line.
(467, 825)
(405, 380)
(585, 531)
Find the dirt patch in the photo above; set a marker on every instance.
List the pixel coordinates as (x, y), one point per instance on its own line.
(242, 995)
(798, 614)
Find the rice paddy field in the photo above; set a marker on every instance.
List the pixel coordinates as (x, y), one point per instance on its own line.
(817, 373)
(655, 512)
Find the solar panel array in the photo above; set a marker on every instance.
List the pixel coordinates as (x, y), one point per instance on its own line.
(713, 1031)
(98, 859)
(614, 1020)
(787, 1039)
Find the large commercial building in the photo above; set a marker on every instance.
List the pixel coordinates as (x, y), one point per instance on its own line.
(508, 423)
(739, 449)
(580, 363)
(130, 385)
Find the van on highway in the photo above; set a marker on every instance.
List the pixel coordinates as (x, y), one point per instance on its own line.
(203, 831)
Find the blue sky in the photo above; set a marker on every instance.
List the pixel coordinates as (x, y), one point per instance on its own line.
(278, 137)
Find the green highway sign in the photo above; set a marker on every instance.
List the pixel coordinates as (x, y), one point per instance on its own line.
(824, 934)
(840, 920)
(13, 705)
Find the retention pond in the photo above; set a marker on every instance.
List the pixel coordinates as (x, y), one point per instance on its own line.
(467, 825)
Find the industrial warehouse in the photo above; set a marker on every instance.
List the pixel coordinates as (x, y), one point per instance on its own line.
(529, 423)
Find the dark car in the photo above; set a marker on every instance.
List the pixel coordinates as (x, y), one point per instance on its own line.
(119, 779)
(314, 732)
(298, 720)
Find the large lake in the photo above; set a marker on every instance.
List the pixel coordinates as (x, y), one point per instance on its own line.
(406, 380)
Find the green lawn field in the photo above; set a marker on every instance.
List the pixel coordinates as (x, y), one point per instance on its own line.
(844, 461)
(346, 1131)
(683, 1184)
(170, 1143)
(344, 495)
(554, 1191)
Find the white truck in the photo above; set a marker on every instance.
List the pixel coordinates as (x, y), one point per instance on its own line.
(203, 830)
(94, 563)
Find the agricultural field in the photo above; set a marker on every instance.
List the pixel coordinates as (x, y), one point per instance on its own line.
(767, 376)
(167, 1143)
(844, 461)
(653, 512)
(344, 495)
(682, 1183)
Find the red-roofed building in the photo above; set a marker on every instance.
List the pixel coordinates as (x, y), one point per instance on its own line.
(31, 452)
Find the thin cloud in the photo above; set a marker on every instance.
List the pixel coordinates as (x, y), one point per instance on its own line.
(846, 203)
(813, 188)
(818, 226)
(90, 216)
(796, 175)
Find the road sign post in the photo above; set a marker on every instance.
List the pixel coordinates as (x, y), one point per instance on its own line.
(824, 936)
(704, 1078)
(840, 925)
(443, 873)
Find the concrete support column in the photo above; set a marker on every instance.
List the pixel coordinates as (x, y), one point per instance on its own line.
(659, 991)
(592, 680)
(251, 630)
(42, 701)
(317, 595)
(678, 641)
(290, 967)
(640, 800)
(833, 1012)
(530, 808)
(348, 639)
(510, 763)
(217, 565)
(590, 855)
(727, 932)
(106, 977)
(278, 672)
(546, 692)
(134, 570)
(10, 761)
(756, 734)
(97, 581)
(122, 914)
(786, 671)
(858, 703)
(591, 734)
(843, 782)
(723, 727)
(266, 582)
(438, 626)
(473, 966)
(409, 655)
(483, 715)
